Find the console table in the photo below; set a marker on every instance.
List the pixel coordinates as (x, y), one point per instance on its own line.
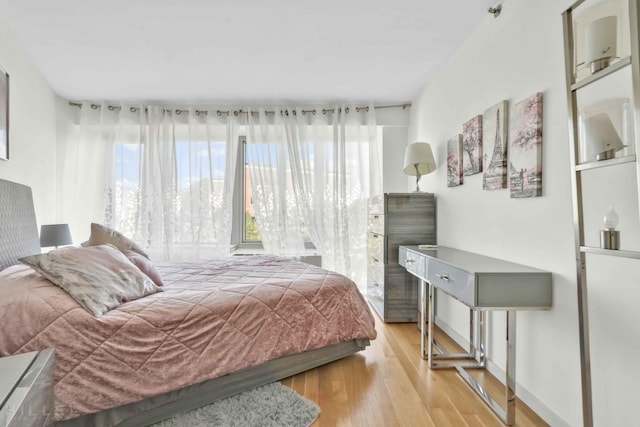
(482, 284)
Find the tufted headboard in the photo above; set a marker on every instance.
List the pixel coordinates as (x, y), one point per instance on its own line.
(18, 229)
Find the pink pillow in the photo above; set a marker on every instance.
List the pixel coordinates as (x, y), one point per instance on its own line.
(145, 265)
(102, 235)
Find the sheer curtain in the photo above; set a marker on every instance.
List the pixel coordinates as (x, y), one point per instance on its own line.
(312, 171)
(160, 175)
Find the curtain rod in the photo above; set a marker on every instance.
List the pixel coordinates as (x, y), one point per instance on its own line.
(238, 112)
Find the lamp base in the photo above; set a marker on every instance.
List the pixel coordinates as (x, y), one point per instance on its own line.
(600, 64)
(608, 154)
(610, 239)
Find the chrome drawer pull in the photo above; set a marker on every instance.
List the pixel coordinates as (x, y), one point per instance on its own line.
(444, 277)
(409, 261)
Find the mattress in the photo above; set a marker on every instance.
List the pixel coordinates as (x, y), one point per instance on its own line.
(211, 319)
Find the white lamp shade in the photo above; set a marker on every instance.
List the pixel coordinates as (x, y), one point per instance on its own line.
(419, 155)
(601, 135)
(55, 235)
(601, 39)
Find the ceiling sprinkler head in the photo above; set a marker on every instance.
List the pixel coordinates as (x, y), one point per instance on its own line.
(495, 10)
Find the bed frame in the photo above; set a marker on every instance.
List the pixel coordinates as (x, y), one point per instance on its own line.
(19, 237)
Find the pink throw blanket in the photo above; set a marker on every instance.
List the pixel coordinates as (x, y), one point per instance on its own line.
(213, 318)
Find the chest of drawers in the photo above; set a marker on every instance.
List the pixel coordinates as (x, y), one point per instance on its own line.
(396, 219)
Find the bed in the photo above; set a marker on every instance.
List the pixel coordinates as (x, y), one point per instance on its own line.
(217, 328)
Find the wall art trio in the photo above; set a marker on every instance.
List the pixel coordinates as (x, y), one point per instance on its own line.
(506, 146)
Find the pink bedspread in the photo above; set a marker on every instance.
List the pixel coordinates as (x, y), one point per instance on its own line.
(213, 318)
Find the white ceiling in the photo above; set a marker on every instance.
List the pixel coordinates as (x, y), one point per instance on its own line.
(242, 51)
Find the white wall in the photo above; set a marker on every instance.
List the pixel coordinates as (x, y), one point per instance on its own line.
(32, 127)
(393, 126)
(511, 57)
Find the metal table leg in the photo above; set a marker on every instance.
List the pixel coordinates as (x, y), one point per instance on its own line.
(508, 416)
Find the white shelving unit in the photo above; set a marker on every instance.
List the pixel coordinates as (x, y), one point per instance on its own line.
(621, 65)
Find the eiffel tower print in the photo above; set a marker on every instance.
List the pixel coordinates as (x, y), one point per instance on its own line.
(495, 173)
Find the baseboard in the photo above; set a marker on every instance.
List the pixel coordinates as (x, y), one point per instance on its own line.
(523, 394)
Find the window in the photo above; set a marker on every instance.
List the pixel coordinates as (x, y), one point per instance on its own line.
(273, 159)
(250, 232)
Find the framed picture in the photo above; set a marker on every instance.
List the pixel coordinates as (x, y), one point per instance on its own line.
(525, 148)
(4, 115)
(454, 161)
(472, 146)
(494, 139)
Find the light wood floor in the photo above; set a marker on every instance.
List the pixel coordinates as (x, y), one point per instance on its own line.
(388, 384)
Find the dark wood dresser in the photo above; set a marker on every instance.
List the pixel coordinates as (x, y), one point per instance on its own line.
(396, 219)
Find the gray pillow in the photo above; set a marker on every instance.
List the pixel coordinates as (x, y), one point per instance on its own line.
(99, 278)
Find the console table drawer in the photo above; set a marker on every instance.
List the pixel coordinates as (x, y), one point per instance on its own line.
(457, 283)
(416, 264)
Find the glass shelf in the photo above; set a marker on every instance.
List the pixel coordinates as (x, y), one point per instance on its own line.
(605, 163)
(602, 73)
(610, 252)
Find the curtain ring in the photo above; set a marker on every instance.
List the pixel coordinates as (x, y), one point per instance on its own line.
(294, 112)
(133, 109)
(236, 112)
(219, 113)
(94, 106)
(197, 113)
(178, 112)
(111, 108)
(314, 111)
(346, 110)
(324, 111)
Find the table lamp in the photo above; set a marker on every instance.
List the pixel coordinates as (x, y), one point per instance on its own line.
(55, 235)
(418, 161)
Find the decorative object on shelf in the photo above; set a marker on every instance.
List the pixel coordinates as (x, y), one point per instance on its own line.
(472, 145)
(525, 145)
(494, 137)
(55, 235)
(601, 43)
(602, 137)
(610, 237)
(418, 161)
(605, 129)
(454, 161)
(4, 115)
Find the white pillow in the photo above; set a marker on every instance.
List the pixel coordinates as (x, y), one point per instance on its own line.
(99, 278)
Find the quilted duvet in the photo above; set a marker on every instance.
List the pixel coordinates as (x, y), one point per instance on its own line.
(212, 318)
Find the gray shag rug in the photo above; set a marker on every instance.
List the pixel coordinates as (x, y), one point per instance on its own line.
(272, 405)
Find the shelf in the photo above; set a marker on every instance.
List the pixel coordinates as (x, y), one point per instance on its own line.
(600, 74)
(610, 252)
(604, 163)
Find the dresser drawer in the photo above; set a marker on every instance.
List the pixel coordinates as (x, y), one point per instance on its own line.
(376, 247)
(375, 205)
(457, 283)
(375, 270)
(376, 223)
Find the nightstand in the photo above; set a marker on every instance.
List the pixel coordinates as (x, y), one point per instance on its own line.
(26, 389)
